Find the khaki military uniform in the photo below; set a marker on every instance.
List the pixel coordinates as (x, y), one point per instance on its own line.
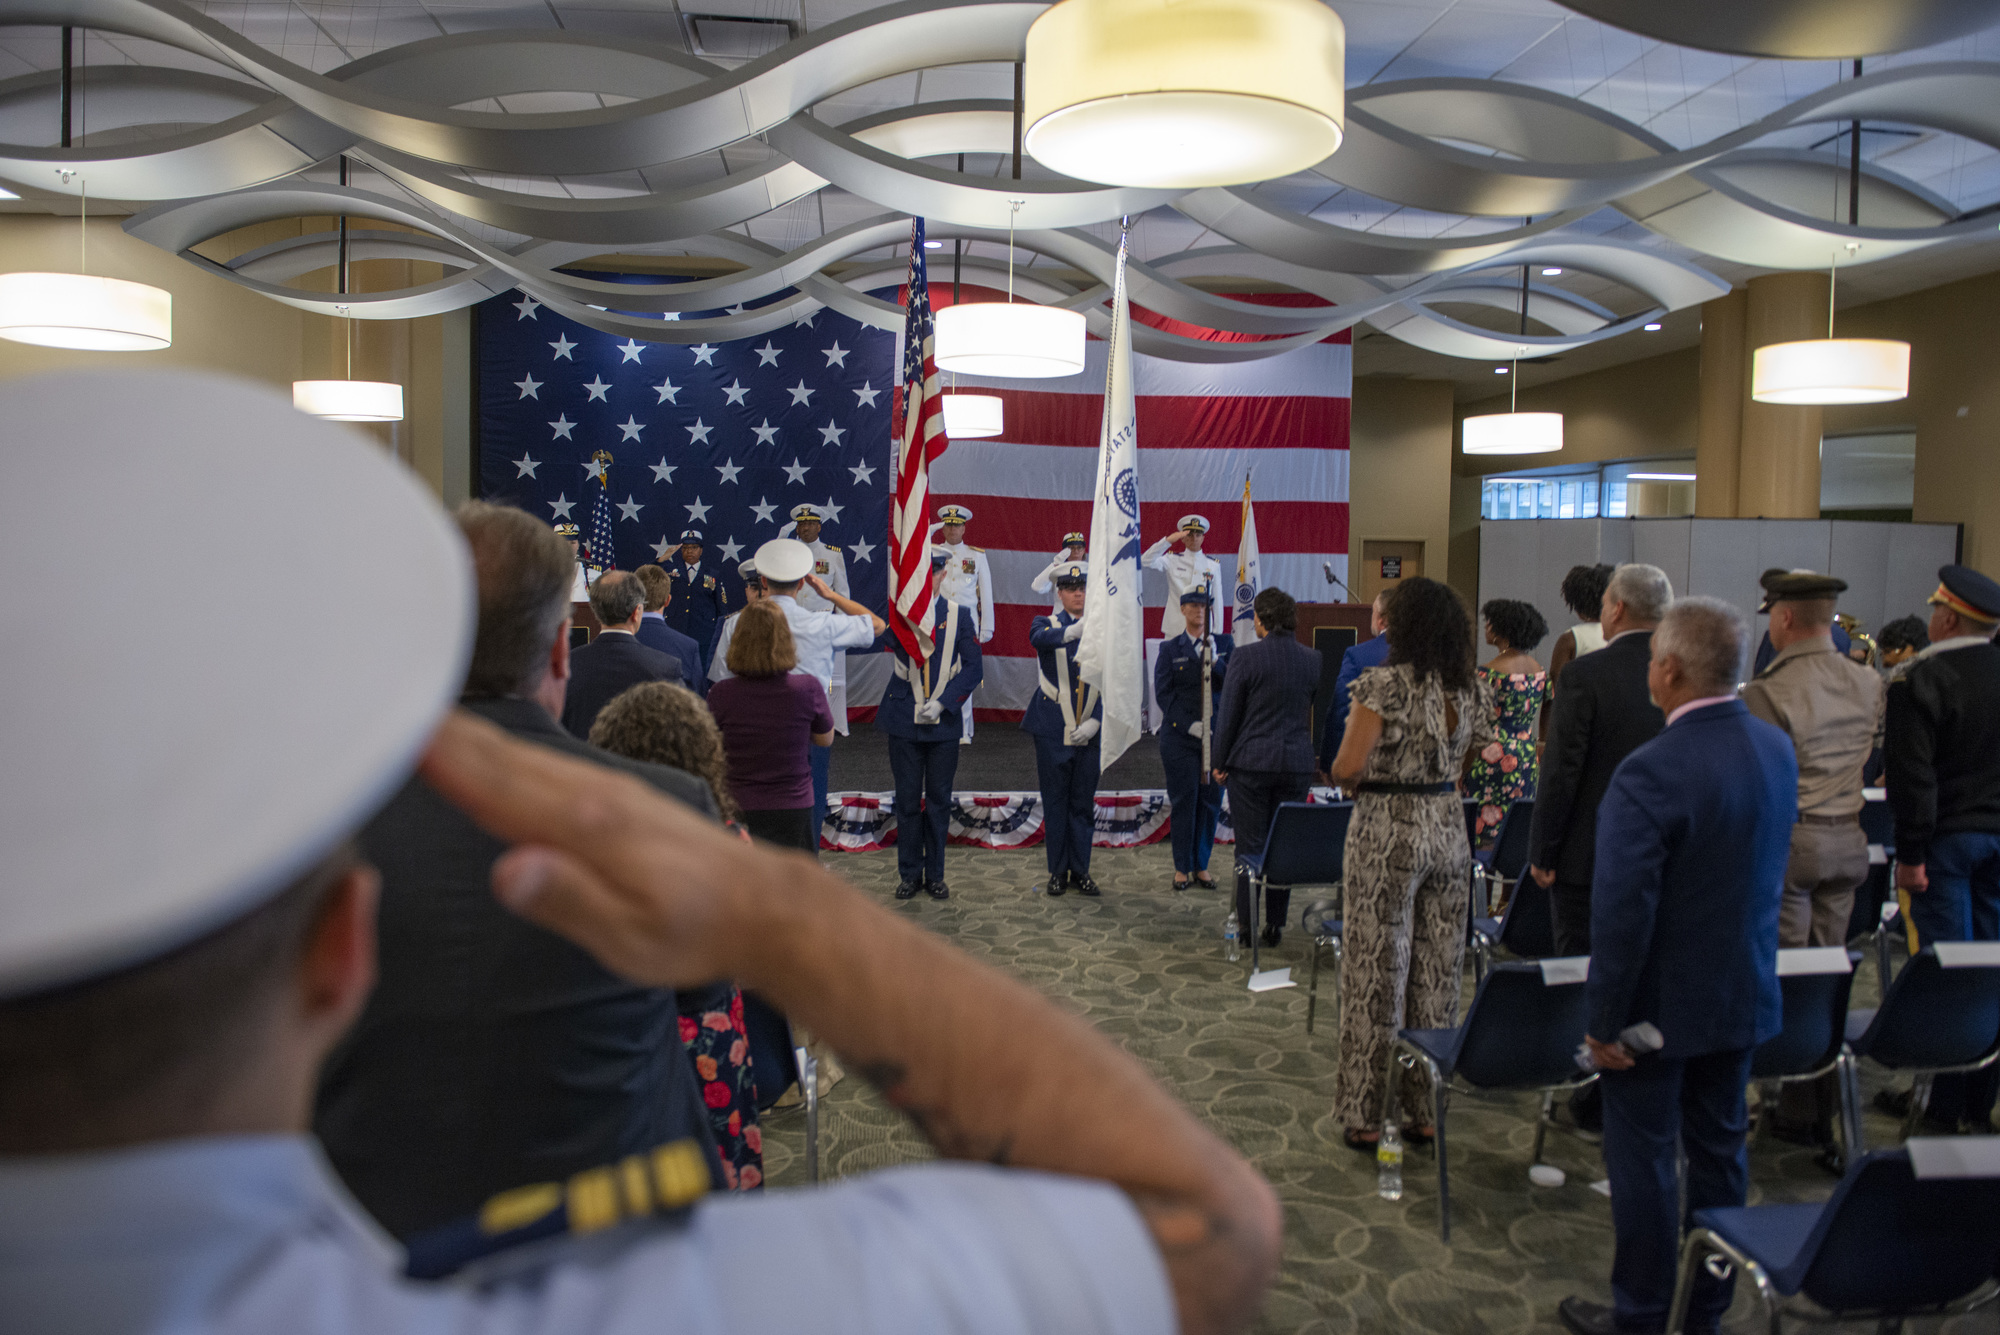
(1831, 707)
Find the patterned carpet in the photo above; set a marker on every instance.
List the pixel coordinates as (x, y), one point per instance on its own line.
(1146, 964)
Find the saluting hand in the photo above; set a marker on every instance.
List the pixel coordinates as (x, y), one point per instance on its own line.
(819, 586)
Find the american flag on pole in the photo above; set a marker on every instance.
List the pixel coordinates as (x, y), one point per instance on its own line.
(920, 440)
(601, 546)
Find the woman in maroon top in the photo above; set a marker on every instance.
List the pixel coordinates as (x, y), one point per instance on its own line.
(769, 715)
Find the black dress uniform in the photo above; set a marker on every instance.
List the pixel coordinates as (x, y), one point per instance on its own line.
(700, 599)
(1066, 771)
(1191, 786)
(924, 755)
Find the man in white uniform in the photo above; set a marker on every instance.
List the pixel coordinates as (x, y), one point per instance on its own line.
(1186, 570)
(967, 580)
(585, 572)
(830, 566)
(167, 995)
(1072, 553)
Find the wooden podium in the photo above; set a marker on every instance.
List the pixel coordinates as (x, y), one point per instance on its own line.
(1333, 629)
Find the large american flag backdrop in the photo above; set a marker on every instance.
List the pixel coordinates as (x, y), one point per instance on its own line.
(728, 438)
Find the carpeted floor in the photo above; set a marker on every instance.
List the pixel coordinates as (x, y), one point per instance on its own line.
(1146, 965)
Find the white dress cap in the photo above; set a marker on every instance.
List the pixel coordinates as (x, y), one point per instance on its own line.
(1196, 522)
(954, 514)
(297, 625)
(784, 560)
(808, 511)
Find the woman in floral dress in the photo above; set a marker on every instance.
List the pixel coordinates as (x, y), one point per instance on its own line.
(1504, 769)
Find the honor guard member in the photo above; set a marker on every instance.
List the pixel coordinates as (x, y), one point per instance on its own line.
(585, 572)
(1074, 547)
(1186, 679)
(1943, 751)
(700, 598)
(1186, 569)
(170, 983)
(753, 591)
(831, 567)
(971, 581)
(1063, 717)
(919, 717)
(1831, 708)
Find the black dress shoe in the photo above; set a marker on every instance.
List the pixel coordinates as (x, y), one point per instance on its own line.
(1272, 935)
(1586, 1318)
(907, 890)
(1085, 886)
(1055, 887)
(937, 890)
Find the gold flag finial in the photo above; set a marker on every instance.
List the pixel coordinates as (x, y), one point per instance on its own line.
(602, 459)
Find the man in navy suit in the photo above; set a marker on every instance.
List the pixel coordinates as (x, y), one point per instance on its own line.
(1692, 840)
(1187, 708)
(1263, 741)
(700, 598)
(614, 661)
(1367, 654)
(919, 715)
(655, 633)
(1063, 717)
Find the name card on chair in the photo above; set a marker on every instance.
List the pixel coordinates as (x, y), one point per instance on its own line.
(1874, 794)
(1953, 1156)
(1878, 856)
(1814, 959)
(1270, 980)
(1566, 969)
(1967, 954)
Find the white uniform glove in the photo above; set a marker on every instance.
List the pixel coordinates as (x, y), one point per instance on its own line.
(1196, 729)
(1081, 734)
(930, 711)
(982, 639)
(1074, 631)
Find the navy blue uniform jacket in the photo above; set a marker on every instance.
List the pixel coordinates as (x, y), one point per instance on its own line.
(896, 715)
(1692, 841)
(655, 633)
(1043, 717)
(1365, 655)
(1177, 680)
(1264, 719)
(700, 601)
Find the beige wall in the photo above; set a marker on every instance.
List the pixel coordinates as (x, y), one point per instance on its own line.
(221, 327)
(1399, 469)
(1637, 410)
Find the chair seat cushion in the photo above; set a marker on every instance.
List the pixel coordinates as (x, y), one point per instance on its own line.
(1326, 929)
(1772, 1235)
(1487, 927)
(1858, 1022)
(1251, 862)
(1440, 1045)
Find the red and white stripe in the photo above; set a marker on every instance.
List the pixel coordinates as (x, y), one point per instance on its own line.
(921, 442)
(1284, 420)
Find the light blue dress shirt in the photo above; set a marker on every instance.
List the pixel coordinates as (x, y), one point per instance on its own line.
(818, 636)
(253, 1234)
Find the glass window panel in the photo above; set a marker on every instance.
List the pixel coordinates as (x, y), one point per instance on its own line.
(1614, 500)
(1588, 509)
(1566, 506)
(1547, 507)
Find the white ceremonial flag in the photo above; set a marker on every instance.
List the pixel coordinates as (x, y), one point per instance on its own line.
(1248, 579)
(1111, 654)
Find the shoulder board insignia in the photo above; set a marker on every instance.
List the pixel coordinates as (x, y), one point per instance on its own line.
(829, 546)
(670, 1178)
(980, 550)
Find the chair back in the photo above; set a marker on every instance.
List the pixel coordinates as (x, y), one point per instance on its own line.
(1889, 1241)
(1307, 844)
(1528, 931)
(1935, 1017)
(1878, 823)
(1472, 822)
(1511, 841)
(1815, 1019)
(1522, 1032)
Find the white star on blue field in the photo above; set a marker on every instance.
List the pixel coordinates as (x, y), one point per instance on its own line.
(723, 437)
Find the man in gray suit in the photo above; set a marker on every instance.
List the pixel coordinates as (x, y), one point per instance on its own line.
(1263, 747)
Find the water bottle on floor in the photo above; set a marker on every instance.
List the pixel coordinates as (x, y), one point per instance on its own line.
(1389, 1163)
(1232, 938)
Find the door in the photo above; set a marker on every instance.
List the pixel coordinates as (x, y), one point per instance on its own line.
(1385, 563)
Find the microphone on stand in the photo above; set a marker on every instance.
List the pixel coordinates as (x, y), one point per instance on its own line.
(1332, 578)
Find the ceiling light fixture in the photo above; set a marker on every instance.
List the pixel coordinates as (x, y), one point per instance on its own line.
(1499, 370)
(1553, 271)
(1831, 370)
(1512, 432)
(972, 416)
(1022, 341)
(348, 400)
(82, 311)
(1653, 328)
(1659, 477)
(1182, 94)
(933, 245)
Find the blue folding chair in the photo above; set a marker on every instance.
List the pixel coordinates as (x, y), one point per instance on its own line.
(1307, 846)
(1520, 1033)
(1816, 984)
(1894, 1241)
(1941, 1015)
(1876, 911)
(1513, 842)
(1527, 930)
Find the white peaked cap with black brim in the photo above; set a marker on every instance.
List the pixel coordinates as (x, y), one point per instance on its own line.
(784, 560)
(147, 801)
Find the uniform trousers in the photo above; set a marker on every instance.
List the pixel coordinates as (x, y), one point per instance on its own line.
(1196, 800)
(1254, 798)
(1408, 873)
(1962, 904)
(1828, 864)
(1067, 776)
(1659, 1109)
(924, 771)
(820, 758)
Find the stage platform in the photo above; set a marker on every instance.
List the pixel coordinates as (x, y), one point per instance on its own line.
(1001, 758)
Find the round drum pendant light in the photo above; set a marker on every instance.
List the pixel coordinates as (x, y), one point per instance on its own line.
(971, 416)
(1831, 370)
(74, 310)
(1185, 93)
(1010, 340)
(1513, 433)
(349, 400)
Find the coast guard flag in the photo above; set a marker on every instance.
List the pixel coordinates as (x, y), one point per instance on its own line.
(1248, 577)
(1111, 653)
